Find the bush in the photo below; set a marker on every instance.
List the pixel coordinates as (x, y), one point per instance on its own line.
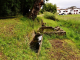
(49, 7)
(49, 15)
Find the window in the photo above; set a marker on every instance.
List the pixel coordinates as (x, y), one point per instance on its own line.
(63, 11)
(76, 10)
(66, 11)
(59, 11)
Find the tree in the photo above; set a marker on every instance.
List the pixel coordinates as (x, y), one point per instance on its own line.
(36, 8)
(9, 7)
(49, 7)
(25, 7)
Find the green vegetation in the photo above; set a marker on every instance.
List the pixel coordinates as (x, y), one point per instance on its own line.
(70, 24)
(49, 7)
(12, 7)
(16, 35)
(49, 15)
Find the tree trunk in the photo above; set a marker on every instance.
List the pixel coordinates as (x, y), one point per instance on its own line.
(36, 9)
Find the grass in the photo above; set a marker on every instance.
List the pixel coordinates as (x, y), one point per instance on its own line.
(49, 15)
(17, 33)
(70, 24)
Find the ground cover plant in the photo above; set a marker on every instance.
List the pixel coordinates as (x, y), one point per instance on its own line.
(16, 34)
(49, 15)
(70, 24)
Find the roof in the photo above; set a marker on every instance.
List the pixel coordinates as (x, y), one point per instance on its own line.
(78, 8)
(62, 9)
(58, 9)
(72, 7)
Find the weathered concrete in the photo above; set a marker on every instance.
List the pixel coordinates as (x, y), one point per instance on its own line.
(55, 30)
(37, 40)
(36, 43)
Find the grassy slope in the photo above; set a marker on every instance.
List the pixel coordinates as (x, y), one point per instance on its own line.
(70, 24)
(16, 33)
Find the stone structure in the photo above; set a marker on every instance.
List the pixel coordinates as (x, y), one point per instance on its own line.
(36, 42)
(54, 30)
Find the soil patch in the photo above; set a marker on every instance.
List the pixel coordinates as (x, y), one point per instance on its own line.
(0, 54)
(61, 50)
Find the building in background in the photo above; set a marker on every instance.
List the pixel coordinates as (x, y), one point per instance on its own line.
(69, 10)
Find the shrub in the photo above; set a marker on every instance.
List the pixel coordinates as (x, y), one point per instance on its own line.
(49, 7)
(49, 15)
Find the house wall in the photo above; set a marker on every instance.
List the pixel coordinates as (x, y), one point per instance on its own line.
(61, 11)
(57, 11)
(75, 11)
(67, 11)
(79, 11)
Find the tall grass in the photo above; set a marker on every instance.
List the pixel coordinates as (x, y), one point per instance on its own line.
(44, 49)
(70, 24)
(49, 15)
(15, 36)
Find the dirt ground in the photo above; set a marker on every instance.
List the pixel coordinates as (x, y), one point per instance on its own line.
(2, 56)
(62, 50)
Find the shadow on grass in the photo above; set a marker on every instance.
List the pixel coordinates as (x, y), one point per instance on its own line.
(8, 17)
(24, 18)
(33, 46)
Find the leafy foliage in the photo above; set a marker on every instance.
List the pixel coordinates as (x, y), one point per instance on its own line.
(15, 35)
(49, 7)
(9, 7)
(15, 7)
(49, 15)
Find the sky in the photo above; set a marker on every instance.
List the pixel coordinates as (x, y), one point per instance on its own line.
(65, 3)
